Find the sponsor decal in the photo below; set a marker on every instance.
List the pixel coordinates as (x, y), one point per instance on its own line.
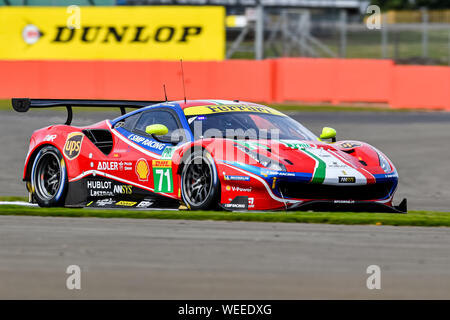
(114, 166)
(97, 184)
(152, 144)
(240, 202)
(162, 176)
(113, 33)
(102, 188)
(108, 165)
(162, 163)
(349, 145)
(238, 189)
(145, 204)
(168, 153)
(335, 164)
(101, 193)
(344, 201)
(286, 174)
(236, 178)
(295, 145)
(142, 169)
(104, 202)
(266, 173)
(123, 189)
(72, 146)
(50, 137)
(31, 34)
(347, 179)
(251, 202)
(202, 110)
(126, 203)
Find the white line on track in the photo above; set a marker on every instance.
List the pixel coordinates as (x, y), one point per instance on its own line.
(18, 203)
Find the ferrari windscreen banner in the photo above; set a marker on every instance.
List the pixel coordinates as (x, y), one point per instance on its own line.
(112, 33)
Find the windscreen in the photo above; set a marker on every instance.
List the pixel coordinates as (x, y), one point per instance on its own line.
(253, 125)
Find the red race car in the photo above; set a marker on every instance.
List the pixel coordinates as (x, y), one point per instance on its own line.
(204, 154)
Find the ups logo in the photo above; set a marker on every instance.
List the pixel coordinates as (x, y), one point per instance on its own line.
(129, 34)
(72, 147)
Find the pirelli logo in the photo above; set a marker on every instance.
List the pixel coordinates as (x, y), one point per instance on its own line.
(347, 179)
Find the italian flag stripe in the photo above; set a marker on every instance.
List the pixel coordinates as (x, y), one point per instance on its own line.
(319, 172)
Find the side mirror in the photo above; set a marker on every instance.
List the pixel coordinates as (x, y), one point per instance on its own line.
(160, 130)
(156, 129)
(328, 133)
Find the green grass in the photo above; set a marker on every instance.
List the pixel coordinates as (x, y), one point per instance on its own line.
(413, 218)
(13, 198)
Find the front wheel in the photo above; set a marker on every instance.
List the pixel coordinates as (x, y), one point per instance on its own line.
(200, 186)
(49, 178)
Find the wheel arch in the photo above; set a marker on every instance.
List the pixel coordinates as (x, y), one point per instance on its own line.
(189, 150)
(30, 160)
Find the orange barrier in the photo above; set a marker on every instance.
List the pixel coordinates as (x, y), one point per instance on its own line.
(333, 80)
(421, 87)
(232, 79)
(272, 80)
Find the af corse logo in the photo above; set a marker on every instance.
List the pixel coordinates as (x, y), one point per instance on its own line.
(72, 147)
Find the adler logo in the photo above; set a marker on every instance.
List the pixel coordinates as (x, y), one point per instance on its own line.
(126, 34)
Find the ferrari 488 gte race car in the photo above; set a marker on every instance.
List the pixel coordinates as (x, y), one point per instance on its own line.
(202, 154)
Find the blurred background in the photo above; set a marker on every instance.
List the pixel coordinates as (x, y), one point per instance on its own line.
(411, 32)
(389, 52)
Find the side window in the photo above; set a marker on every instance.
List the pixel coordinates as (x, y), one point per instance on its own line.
(128, 123)
(157, 117)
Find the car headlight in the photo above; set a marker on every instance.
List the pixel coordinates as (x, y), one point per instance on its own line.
(263, 160)
(384, 164)
(270, 164)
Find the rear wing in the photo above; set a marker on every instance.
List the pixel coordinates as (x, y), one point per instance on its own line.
(24, 104)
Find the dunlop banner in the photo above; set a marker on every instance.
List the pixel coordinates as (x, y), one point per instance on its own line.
(112, 33)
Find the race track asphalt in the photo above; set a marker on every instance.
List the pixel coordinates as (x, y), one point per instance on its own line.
(159, 259)
(171, 259)
(417, 142)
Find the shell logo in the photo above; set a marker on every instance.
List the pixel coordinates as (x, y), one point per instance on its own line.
(142, 169)
(228, 188)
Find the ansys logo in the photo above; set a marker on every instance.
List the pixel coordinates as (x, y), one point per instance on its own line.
(31, 34)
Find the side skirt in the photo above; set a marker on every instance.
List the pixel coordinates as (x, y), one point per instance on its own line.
(102, 192)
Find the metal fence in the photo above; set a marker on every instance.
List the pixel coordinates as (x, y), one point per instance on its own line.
(336, 33)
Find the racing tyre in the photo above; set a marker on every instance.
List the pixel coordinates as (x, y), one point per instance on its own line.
(49, 178)
(200, 185)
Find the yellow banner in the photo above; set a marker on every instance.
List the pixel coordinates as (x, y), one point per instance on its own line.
(112, 33)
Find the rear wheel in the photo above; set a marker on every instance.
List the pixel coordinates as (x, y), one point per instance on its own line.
(49, 178)
(200, 186)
